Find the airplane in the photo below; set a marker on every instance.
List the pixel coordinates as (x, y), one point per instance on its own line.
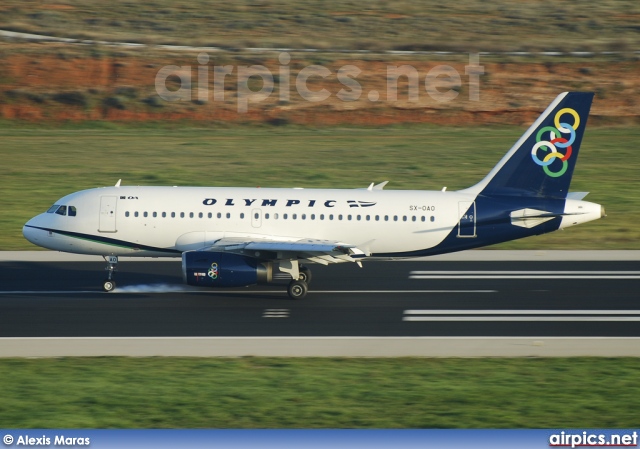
(233, 237)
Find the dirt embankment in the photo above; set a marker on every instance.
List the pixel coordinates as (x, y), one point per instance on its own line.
(55, 86)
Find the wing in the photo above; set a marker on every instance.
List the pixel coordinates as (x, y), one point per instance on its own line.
(319, 251)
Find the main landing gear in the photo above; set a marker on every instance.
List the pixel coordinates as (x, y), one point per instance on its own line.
(301, 278)
(109, 284)
(297, 289)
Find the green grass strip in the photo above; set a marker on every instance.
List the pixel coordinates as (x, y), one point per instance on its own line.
(319, 393)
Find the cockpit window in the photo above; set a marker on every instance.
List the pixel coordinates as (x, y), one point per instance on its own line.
(62, 210)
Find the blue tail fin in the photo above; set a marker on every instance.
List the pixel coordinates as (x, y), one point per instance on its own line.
(541, 163)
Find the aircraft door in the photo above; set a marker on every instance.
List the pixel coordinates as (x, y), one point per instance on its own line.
(467, 223)
(256, 218)
(108, 207)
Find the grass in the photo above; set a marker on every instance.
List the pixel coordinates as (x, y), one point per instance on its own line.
(501, 25)
(42, 164)
(319, 393)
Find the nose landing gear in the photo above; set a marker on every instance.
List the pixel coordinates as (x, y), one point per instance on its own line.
(109, 284)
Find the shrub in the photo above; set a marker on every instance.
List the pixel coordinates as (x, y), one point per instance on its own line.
(127, 91)
(73, 98)
(114, 102)
(153, 101)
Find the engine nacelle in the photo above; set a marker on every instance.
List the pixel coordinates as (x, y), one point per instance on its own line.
(217, 269)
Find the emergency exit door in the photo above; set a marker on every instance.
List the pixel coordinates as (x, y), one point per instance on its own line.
(467, 223)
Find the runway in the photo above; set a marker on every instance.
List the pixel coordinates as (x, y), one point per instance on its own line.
(439, 298)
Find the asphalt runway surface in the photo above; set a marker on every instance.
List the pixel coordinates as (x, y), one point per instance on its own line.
(383, 299)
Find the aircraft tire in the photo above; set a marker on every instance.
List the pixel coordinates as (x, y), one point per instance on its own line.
(305, 275)
(108, 285)
(297, 289)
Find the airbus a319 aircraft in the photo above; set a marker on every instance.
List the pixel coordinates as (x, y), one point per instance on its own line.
(233, 237)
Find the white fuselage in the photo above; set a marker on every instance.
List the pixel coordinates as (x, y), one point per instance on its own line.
(155, 221)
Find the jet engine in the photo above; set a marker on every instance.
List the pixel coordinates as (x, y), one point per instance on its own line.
(219, 269)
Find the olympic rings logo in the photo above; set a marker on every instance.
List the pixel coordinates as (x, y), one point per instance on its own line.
(556, 141)
(213, 271)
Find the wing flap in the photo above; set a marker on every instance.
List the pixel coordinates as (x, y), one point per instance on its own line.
(320, 251)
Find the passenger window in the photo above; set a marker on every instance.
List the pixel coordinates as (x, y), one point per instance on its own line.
(242, 215)
(62, 210)
(210, 215)
(72, 211)
(135, 214)
(228, 215)
(126, 214)
(190, 214)
(164, 215)
(433, 219)
(219, 215)
(173, 215)
(145, 215)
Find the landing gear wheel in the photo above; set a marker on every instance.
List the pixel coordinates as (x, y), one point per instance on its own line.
(297, 289)
(108, 285)
(305, 275)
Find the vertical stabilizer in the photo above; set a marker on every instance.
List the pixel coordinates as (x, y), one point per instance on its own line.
(542, 161)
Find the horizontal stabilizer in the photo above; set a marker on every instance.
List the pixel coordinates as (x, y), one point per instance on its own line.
(576, 195)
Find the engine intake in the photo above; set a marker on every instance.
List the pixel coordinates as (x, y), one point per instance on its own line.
(218, 269)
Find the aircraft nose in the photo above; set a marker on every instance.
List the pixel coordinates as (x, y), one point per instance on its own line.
(31, 233)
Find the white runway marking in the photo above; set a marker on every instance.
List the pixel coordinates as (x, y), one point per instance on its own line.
(181, 289)
(524, 275)
(403, 291)
(47, 292)
(276, 313)
(521, 315)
